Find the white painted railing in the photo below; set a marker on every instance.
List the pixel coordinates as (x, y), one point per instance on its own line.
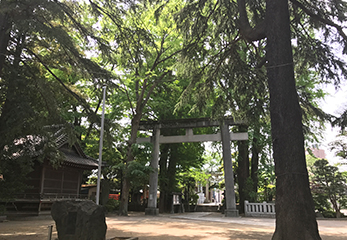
(263, 209)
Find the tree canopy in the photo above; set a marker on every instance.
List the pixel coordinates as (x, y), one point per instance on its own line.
(255, 60)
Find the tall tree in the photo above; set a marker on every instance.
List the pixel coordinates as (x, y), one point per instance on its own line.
(145, 50)
(292, 183)
(41, 59)
(277, 22)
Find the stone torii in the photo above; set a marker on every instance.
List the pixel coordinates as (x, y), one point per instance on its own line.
(223, 135)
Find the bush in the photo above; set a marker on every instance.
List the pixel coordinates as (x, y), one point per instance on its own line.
(194, 199)
(329, 214)
(112, 205)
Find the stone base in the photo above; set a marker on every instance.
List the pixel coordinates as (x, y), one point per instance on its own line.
(152, 211)
(231, 213)
(3, 218)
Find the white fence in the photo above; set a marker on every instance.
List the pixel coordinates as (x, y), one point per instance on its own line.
(263, 209)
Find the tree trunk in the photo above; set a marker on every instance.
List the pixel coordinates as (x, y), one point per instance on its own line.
(124, 201)
(335, 207)
(135, 123)
(242, 170)
(254, 167)
(162, 177)
(295, 216)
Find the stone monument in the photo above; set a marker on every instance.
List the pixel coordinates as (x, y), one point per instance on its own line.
(79, 219)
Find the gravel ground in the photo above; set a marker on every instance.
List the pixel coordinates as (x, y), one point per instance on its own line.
(202, 226)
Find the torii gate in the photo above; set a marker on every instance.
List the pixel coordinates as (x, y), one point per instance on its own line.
(224, 135)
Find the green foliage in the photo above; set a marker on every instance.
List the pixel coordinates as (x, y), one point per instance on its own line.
(187, 185)
(249, 190)
(112, 205)
(15, 178)
(139, 174)
(43, 61)
(267, 182)
(329, 214)
(194, 198)
(310, 160)
(339, 146)
(328, 184)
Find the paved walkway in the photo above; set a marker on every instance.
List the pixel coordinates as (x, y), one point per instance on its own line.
(187, 226)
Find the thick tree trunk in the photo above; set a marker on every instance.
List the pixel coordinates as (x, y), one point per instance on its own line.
(135, 123)
(124, 201)
(242, 171)
(295, 216)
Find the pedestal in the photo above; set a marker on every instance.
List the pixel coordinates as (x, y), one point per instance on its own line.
(231, 213)
(152, 211)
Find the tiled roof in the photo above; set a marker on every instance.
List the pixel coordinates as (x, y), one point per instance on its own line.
(73, 158)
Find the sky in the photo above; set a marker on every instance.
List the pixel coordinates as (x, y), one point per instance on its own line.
(333, 104)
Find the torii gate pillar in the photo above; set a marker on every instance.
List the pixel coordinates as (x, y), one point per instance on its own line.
(153, 177)
(225, 136)
(230, 210)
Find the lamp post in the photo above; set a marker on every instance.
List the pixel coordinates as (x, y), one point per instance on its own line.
(100, 146)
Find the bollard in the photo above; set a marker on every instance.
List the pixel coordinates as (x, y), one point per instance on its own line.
(50, 230)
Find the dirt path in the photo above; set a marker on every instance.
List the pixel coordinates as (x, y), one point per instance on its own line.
(200, 226)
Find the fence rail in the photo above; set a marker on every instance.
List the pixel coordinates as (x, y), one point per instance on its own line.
(263, 209)
(50, 196)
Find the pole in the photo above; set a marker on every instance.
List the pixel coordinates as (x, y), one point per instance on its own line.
(100, 146)
(50, 230)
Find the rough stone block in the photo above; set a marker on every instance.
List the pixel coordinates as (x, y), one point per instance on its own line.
(79, 219)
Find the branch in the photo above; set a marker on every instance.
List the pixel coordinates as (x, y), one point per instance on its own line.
(91, 123)
(152, 88)
(76, 96)
(159, 53)
(249, 33)
(128, 97)
(321, 19)
(137, 85)
(143, 89)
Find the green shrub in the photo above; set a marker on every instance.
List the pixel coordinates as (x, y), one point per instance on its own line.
(329, 214)
(194, 199)
(112, 205)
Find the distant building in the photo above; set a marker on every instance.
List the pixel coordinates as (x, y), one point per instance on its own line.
(340, 163)
(318, 153)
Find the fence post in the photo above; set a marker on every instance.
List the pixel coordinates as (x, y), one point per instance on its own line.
(246, 207)
(50, 230)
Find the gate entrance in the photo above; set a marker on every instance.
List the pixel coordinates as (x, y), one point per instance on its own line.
(223, 135)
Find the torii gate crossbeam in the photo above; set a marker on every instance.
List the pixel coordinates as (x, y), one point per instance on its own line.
(224, 135)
